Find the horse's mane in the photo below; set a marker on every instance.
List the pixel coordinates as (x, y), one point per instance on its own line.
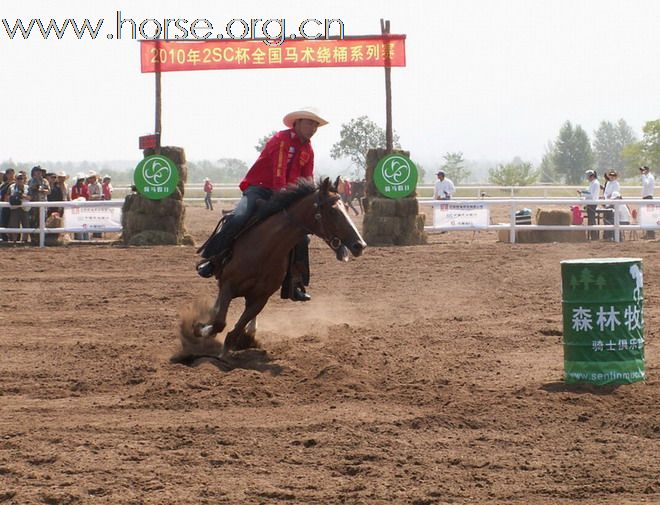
(284, 199)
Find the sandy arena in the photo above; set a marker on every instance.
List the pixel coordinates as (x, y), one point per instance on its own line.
(416, 375)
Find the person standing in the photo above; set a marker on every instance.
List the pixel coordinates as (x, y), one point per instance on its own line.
(648, 188)
(38, 190)
(285, 159)
(8, 180)
(611, 186)
(444, 188)
(591, 193)
(19, 216)
(208, 191)
(106, 187)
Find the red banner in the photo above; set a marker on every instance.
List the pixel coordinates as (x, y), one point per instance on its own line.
(172, 56)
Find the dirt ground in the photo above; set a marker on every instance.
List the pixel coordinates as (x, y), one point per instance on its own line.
(416, 375)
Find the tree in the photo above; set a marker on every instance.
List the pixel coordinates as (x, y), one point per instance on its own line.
(572, 155)
(261, 143)
(356, 138)
(547, 170)
(454, 167)
(516, 173)
(651, 143)
(644, 152)
(609, 142)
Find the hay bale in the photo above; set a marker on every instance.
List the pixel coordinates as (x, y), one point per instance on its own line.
(383, 206)
(407, 207)
(553, 217)
(153, 237)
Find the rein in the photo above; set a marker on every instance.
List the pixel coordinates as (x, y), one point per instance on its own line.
(333, 242)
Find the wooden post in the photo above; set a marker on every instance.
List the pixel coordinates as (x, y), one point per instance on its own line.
(158, 125)
(389, 137)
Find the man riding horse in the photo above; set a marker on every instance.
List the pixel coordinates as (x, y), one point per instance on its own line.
(287, 157)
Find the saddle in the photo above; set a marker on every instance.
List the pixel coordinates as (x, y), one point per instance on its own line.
(218, 248)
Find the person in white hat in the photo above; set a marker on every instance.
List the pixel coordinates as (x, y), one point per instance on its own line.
(208, 193)
(444, 187)
(591, 193)
(285, 159)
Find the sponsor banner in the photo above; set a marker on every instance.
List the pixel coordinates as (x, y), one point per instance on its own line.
(92, 218)
(649, 215)
(172, 56)
(463, 215)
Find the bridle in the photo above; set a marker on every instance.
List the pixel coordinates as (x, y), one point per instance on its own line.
(334, 242)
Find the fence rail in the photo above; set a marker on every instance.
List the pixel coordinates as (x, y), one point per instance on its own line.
(515, 203)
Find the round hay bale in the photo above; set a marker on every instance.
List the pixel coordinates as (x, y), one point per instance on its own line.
(383, 206)
(407, 207)
(153, 237)
(553, 217)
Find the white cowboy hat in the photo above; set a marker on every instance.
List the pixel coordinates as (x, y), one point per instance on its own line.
(91, 173)
(62, 174)
(304, 113)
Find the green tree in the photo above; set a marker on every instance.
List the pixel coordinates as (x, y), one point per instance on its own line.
(547, 171)
(651, 143)
(356, 138)
(572, 154)
(261, 143)
(609, 142)
(454, 167)
(516, 173)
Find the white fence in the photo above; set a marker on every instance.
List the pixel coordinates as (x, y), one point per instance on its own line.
(42, 206)
(515, 204)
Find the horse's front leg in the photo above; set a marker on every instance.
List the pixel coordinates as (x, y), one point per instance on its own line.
(220, 310)
(239, 338)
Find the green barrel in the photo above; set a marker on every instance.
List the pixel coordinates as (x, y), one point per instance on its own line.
(603, 310)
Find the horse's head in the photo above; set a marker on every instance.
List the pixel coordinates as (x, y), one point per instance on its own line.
(334, 224)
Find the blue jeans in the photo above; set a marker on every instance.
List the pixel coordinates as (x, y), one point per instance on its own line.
(235, 222)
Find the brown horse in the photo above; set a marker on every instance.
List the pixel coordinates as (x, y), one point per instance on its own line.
(261, 254)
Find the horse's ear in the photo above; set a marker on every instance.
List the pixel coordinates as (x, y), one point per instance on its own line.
(325, 186)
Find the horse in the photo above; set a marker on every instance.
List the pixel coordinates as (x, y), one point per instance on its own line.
(357, 192)
(260, 256)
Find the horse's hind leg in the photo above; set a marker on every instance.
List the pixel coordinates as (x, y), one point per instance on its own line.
(242, 336)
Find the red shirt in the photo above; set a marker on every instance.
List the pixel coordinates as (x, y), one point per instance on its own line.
(283, 161)
(79, 190)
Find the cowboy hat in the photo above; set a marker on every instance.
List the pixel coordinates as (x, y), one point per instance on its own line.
(304, 113)
(92, 173)
(62, 174)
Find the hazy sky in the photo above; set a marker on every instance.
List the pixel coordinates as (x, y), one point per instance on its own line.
(491, 78)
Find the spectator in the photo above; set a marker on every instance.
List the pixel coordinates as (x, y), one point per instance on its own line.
(8, 180)
(208, 191)
(623, 210)
(19, 216)
(58, 193)
(106, 187)
(611, 185)
(38, 189)
(444, 188)
(79, 189)
(648, 188)
(94, 187)
(591, 193)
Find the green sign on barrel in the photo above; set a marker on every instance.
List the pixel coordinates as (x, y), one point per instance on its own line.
(395, 176)
(603, 311)
(156, 177)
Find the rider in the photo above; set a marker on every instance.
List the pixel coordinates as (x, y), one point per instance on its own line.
(287, 157)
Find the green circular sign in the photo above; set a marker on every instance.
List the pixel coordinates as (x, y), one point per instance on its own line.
(156, 177)
(395, 176)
